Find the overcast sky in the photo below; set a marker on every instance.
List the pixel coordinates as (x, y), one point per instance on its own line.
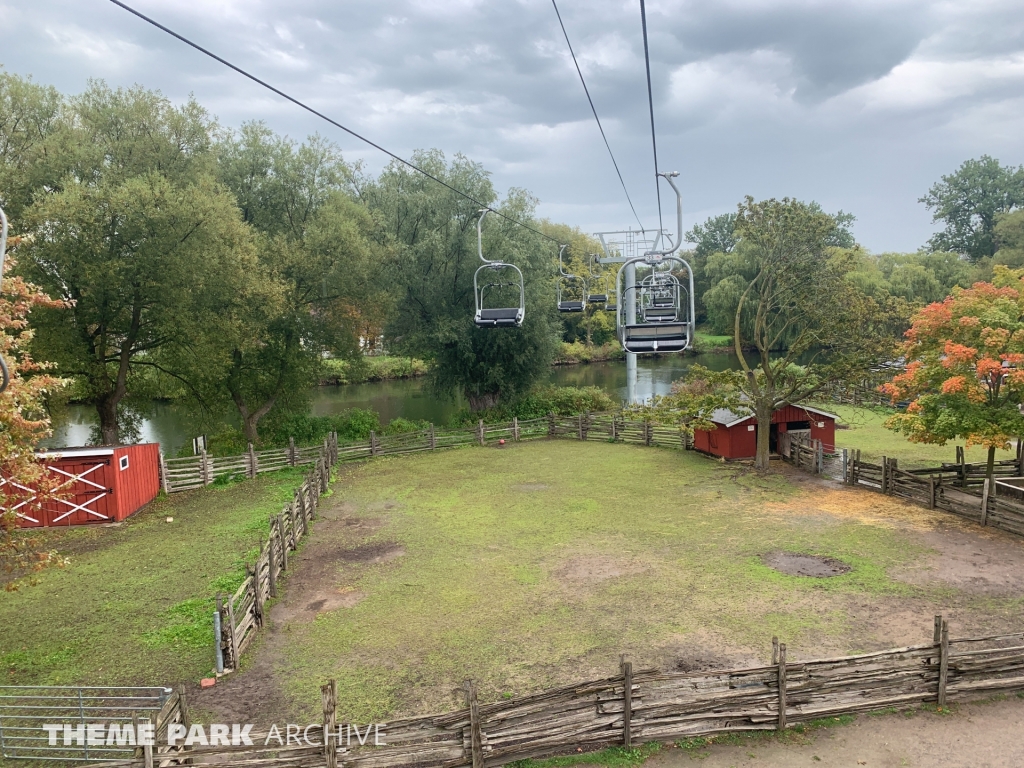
(860, 105)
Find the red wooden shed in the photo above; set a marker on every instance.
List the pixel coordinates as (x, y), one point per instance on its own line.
(736, 434)
(103, 485)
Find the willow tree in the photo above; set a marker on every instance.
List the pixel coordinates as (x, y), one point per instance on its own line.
(432, 233)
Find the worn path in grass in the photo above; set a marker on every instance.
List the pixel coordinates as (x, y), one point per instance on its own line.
(135, 605)
(538, 564)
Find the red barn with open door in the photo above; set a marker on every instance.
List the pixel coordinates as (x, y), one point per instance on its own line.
(736, 434)
(103, 485)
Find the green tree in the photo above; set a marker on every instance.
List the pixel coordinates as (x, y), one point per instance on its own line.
(965, 367)
(314, 258)
(716, 235)
(1010, 239)
(970, 201)
(433, 232)
(128, 237)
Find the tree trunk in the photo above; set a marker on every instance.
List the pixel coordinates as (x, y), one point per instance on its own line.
(106, 408)
(482, 401)
(764, 430)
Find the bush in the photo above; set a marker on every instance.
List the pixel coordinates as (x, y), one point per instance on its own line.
(372, 369)
(578, 352)
(351, 425)
(400, 426)
(564, 401)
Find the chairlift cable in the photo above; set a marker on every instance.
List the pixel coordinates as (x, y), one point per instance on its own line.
(594, 110)
(650, 103)
(322, 116)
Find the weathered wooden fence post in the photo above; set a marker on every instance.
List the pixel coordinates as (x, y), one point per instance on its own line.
(204, 469)
(551, 424)
(782, 686)
(433, 438)
(257, 598)
(885, 475)
(475, 736)
(284, 542)
(165, 484)
(231, 632)
(515, 429)
(986, 490)
(931, 492)
(579, 426)
(943, 663)
(648, 433)
(846, 467)
(272, 561)
(480, 431)
(627, 703)
(292, 457)
(373, 443)
(329, 699)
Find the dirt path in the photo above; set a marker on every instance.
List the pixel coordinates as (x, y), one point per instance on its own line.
(317, 581)
(979, 735)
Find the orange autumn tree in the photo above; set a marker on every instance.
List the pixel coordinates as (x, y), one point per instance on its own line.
(23, 423)
(965, 367)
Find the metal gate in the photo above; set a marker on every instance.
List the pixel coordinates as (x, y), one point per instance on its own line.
(24, 710)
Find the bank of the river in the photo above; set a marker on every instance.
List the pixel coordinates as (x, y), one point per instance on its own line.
(407, 398)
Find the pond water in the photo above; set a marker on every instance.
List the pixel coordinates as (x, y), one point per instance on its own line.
(408, 398)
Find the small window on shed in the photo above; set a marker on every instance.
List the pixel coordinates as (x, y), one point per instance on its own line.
(123, 462)
(751, 428)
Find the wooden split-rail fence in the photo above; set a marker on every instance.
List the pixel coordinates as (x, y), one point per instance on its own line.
(239, 616)
(957, 487)
(191, 472)
(645, 705)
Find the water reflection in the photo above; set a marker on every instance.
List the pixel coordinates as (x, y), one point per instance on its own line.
(408, 398)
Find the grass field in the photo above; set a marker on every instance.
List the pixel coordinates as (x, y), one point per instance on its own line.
(135, 605)
(538, 564)
(523, 567)
(866, 432)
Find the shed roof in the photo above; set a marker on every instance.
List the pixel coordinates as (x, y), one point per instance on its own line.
(728, 418)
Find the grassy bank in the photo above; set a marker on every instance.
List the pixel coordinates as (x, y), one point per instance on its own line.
(866, 431)
(135, 605)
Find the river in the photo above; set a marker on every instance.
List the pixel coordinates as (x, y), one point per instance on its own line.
(167, 424)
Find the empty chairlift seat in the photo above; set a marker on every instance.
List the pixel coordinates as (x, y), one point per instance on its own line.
(655, 337)
(499, 318)
(570, 306)
(597, 298)
(656, 314)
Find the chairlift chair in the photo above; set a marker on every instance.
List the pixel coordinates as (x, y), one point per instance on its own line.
(499, 274)
(658, 320)
(595, 298)
(566, 281)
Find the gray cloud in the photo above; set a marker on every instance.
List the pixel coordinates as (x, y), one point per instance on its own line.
(861, 105)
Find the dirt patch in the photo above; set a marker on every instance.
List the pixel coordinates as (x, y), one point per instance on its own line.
(594, 569)
(380, 552)
(969, 558)
(527, 487)
(796, 564)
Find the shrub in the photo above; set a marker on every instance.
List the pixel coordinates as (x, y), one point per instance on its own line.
(578, 352)
(564, 401)
(371, 369)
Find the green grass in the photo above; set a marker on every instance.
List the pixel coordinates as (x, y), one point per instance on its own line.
(713, 340)
(135, 605)
(494, 583)
(867, 433)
